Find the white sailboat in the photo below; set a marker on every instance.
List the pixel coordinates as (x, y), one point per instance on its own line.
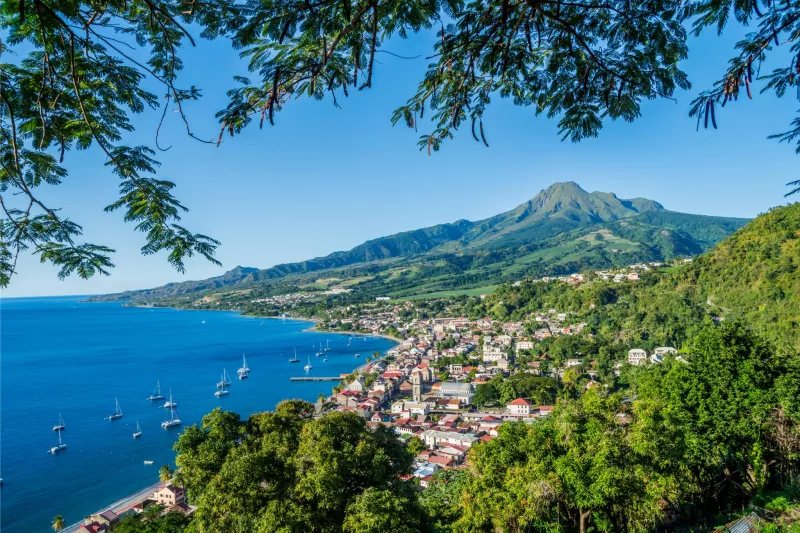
(320, 350)
(117, 411)
(222, 391)
(294, 359)
(173, 417)
(60, 426)
(170, 404)
(226, 380)
(243, 372)
(327, 345)
(138, 432)
(156, 395)
(61, 446)
(308, 366)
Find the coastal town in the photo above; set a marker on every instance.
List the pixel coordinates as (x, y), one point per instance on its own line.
(428, 387)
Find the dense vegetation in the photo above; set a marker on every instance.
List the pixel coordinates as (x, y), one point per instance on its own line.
(284, 471)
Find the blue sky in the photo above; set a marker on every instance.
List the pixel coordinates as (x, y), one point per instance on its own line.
(325, 179)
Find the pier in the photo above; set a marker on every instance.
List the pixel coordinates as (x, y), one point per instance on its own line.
(309, 378)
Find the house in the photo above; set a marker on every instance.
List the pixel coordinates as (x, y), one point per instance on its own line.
(106, 518)
(658, 355)
(169, 495)
(443, 462)
(519, 406)
(94, 527)
(636, 356)
(357, 385)
(525, 345)
(573, 362)
(433, 438)
(493, 353)
(417, 408)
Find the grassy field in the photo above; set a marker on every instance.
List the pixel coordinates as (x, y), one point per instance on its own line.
(477, 291)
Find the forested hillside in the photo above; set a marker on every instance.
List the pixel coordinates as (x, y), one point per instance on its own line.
(755, 275)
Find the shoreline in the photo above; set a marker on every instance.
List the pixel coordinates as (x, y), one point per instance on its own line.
(263, 339)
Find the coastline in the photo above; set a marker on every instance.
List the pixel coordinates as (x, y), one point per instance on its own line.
(223, 328)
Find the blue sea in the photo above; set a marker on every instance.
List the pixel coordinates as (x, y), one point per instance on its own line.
(58, 355)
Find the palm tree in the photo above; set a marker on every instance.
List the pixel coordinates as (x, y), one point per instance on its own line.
(58, 523)
(165, 473)
(321, 398)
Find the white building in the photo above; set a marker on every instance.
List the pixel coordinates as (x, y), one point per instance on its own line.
(461, 391)
(493, 353)
(519, 406)
(637, 356)
(433, 438)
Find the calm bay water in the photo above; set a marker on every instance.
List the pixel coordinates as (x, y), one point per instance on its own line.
(60, 355)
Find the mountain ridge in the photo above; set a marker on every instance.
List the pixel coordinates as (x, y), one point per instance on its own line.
(560, 209)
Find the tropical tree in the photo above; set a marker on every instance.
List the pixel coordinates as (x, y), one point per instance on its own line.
(164, 473)
(58, 523)
(415, 446)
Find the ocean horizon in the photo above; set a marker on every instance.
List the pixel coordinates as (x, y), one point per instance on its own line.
(61, 355)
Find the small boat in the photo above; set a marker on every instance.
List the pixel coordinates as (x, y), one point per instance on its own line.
(61, 446)
(222, 391)
(308, 366)
(156, 395)
(294, 359)
(226, 380)
(170, 404)
(262, 323)
(117, 411)
(358, 355)
(324, 359)
(173, 418)
(243, 372)
(138, 432)
(148, 462)
(327, 345)
(60, 426)
(320, 350)
(203, 322)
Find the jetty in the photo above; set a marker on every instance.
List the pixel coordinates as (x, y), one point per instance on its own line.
(309, 378)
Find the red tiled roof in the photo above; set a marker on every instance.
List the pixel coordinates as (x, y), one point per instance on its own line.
(441, 461)
(520, 401)
(94, 527)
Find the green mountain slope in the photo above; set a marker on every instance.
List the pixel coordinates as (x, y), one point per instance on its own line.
(755, 275)
(562, 229)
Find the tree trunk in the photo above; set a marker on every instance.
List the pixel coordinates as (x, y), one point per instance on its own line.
(584, 520)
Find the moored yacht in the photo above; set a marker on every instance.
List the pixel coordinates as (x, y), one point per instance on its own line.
(61, 446)
(222, 391)
(156, 395)
(60, 426)
(243, 372)
(138, 432)
(169, 404)
(294, 359)
(226, 380)
(173, 416)
(117, 411)
(308, 366)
